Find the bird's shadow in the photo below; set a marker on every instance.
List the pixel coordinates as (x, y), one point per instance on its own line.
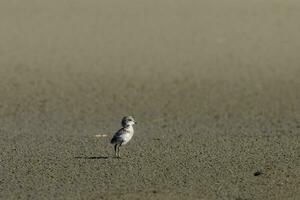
(91, 157)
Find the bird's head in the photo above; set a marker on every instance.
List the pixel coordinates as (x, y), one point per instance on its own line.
(128, 121)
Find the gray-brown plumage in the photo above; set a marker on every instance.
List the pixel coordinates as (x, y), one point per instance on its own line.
(124, 135)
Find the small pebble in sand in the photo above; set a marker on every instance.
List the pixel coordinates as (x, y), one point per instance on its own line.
(258, 173)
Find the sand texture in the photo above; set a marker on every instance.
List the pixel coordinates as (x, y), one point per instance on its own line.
(214, 85)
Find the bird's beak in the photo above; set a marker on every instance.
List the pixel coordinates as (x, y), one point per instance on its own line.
(135, 122)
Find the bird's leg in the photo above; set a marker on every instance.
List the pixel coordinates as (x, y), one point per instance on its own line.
(116, 146)
(119, 150)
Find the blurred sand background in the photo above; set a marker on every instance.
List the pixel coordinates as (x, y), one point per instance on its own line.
(214, 86)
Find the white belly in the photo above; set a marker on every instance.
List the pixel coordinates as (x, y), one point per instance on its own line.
(126, 138)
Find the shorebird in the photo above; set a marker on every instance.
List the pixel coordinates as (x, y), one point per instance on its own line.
(124, 135)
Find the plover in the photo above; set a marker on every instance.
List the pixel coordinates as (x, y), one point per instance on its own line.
(124, 135)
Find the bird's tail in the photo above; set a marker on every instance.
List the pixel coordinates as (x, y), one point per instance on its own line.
(113, 140)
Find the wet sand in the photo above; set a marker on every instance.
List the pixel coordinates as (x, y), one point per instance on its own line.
(214, 86)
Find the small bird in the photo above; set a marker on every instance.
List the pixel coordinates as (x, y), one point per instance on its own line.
(124, 135)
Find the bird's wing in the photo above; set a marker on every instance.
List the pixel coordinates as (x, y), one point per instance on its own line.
(117, 136)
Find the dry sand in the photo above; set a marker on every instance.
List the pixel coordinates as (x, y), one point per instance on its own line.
(214, 85)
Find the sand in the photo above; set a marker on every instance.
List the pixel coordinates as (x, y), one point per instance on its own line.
(214, 86)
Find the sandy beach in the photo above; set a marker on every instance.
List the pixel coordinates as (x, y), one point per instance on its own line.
(214, 86)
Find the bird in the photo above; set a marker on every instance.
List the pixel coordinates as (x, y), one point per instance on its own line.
(124, 135)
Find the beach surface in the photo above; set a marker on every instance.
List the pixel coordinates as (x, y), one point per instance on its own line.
(214, 86)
